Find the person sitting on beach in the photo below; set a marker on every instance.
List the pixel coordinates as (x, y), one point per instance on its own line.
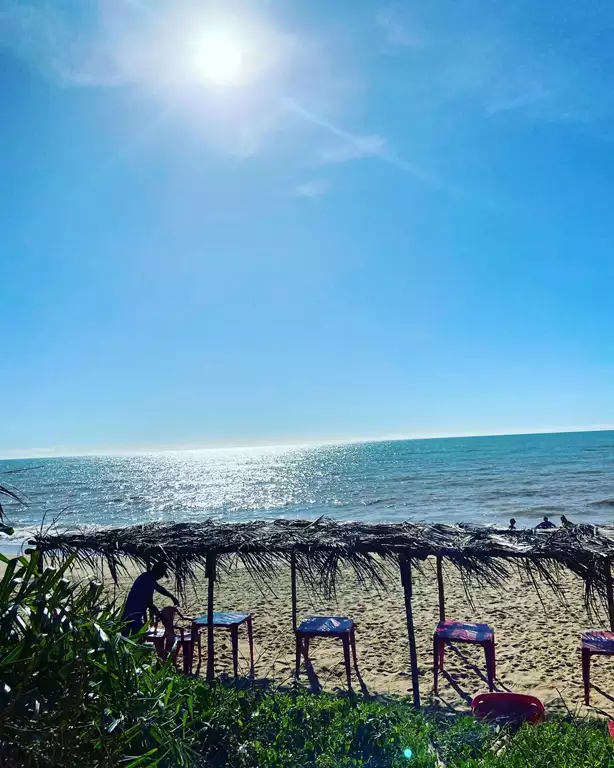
(512, 525)
(545, 523)
(140, 598)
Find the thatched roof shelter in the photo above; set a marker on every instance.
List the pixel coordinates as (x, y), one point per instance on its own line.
(323, 546)
(317, 550)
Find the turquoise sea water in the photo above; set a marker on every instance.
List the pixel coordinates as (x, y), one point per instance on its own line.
(480, 479)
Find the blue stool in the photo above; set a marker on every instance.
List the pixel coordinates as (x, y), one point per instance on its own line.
(327, 626)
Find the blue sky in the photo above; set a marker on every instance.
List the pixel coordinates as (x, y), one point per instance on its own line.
(356, 220)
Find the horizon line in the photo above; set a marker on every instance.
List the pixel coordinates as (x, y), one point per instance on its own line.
(65, 453)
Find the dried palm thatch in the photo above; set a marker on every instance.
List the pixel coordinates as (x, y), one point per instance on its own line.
(482, 555)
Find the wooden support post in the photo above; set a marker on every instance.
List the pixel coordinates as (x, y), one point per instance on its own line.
(210, 589)
(293, 584)
(406, 580)
(40, 567)
(610, 593)
(33, 551)
(442, 597)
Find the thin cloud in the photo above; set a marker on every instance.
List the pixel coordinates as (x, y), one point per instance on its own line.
(355, 149)
(315, 188)
(534, 62)
(378, 149)
(520, 100)
(397, 31)
(358, 147)
(106, 54)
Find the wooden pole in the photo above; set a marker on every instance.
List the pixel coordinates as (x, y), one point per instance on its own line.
(210, 588)
(293, 582)
(442, 597)
(610, 593)
(406, 580)
(33, 552)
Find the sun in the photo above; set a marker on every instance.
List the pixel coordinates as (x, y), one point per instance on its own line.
(220, 58)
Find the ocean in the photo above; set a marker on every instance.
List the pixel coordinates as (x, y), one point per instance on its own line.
(474, 479)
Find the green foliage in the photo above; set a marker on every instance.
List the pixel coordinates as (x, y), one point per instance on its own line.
(557, 744)
(74, 692)
(72, 689)
(248, 729)
(251, 729)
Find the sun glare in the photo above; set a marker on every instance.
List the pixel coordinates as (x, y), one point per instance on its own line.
(220, 58)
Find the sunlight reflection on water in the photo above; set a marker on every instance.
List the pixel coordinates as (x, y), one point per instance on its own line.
(479, 479)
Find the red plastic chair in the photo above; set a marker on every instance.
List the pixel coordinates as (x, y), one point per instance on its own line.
(170, 638)
(511, 707)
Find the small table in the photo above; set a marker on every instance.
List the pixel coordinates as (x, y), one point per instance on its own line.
(451, 631)
(594, 643)
(327, 626)
(232, 621)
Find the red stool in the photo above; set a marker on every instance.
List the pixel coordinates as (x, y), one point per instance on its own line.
(594, 643)
(451, 631)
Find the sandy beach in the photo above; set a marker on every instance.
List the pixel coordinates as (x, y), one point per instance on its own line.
(535, 642)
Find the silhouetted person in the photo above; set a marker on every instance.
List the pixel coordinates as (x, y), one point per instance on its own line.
(512, 525)
(545, 523)
(565, 522)
(140, 598)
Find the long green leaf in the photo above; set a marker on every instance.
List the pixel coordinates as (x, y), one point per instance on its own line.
(140, 760)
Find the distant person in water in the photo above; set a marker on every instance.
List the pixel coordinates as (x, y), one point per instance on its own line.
(140, 598)
(512, 525)
(545, 523)
(565, 522)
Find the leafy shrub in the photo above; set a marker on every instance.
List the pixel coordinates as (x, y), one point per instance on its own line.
(72, 689)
